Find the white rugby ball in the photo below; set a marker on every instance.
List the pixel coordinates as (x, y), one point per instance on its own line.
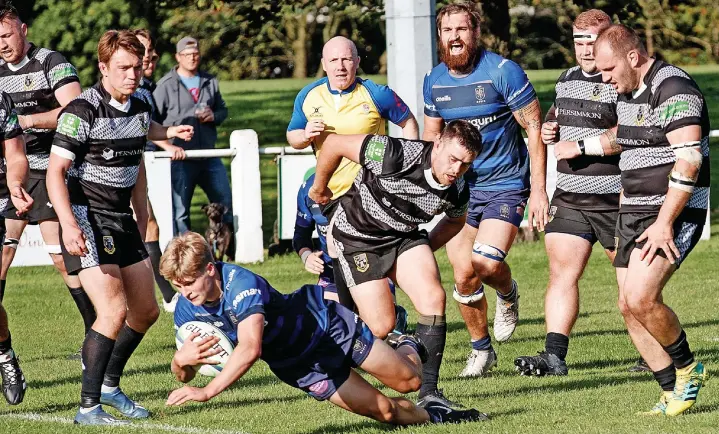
(206, 329)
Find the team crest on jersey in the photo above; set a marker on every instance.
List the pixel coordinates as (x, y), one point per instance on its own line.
(504, 210)
(361, 262)
(479, 94)
(28, 82)
(365, 108)
(596, 92)
(109, 244)
(640, 117)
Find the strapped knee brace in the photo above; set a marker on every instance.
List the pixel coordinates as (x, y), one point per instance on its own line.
(53, 249)
(11, 243)
(490, 252)
(471, 298)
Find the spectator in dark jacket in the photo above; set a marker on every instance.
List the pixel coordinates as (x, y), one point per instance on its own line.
(188, 96)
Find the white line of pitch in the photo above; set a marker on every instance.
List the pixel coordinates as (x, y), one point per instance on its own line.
(36, 417)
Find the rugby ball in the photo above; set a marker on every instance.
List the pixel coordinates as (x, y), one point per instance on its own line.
(206, 329)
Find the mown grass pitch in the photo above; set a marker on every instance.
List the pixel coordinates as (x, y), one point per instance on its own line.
(597, 396)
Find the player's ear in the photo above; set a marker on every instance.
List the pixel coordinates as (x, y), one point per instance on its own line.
(103, 68)
(633, 58)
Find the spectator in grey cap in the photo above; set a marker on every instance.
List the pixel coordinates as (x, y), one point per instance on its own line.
(189, 96)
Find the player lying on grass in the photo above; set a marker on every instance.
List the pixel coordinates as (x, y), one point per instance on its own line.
(308, 342)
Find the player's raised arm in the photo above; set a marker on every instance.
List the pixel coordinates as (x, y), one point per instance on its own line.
(410, 128)
(335, 148)
(247, 352)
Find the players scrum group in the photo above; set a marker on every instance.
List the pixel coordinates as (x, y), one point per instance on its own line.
(630, 134)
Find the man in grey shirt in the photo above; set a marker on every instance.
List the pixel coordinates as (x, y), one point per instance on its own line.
(188, 96)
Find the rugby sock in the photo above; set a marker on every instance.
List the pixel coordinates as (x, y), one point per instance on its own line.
(511, 295)
(127, 341)
(2, 289)
(84, 305)
(6, 345)
(432, 331)
(666, 378)
(680, 353)
(557, 344)
(96, 352)
(483, 344)
(153, 249)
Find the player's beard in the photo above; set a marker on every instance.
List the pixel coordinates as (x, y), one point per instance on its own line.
(460, 62)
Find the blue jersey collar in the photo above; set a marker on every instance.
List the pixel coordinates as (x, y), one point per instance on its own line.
(345, 91)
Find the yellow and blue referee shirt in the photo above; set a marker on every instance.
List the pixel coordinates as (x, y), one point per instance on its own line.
(362, 108)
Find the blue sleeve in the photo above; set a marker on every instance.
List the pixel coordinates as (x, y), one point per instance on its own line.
(304, 224)
(248, 293)
(389, 104)
(299, 120)
(511, 81)
(183, 312)
(429, 108)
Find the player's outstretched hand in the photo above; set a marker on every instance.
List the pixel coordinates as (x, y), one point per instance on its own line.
(187, 393)
(538, 209)
(74, 240)
(550, 132)
(183, 132)
(21, 199)
(321, 197)
(197, 353)
(314, 263)
(658, 236)
(566, 150)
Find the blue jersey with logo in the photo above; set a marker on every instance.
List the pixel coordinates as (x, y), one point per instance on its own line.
(294, 323)
(486, 97)
(310, 216)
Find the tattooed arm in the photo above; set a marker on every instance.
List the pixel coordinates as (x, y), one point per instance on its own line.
(603, 145)
(530, 118)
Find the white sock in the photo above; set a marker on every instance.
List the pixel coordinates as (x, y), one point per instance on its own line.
(109, 389)
(84, 410)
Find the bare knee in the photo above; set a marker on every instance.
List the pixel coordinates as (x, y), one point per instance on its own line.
(381, 327)
(433, 302)
(59, 263)
(144, 318)
(639, 305)
(411, 383)
(623, 307)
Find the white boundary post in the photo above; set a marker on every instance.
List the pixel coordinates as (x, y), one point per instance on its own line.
(246, 192)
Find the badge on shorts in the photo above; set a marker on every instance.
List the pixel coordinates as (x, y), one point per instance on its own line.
(552, 212)
(361, 262)
(359, 346)
(504, 210)
(109, 244)
(616, 243)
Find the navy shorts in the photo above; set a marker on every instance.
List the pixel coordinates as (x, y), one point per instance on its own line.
(506, 205)
(344, 346)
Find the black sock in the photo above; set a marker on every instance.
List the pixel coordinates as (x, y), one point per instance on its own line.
(153, 249)
(432, 331)
(127, 341)
(2, 288)
(6, 345)
(557, 344)
(666, 378)
(84, 305)
(96, 353)
(680, 353)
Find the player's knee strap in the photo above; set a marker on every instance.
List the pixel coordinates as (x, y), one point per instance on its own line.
(11, 243)
(53, 249)
(468, 299)
(489, 252)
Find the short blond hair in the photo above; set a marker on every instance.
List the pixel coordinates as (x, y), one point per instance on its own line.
(185, 258)
(592, 18)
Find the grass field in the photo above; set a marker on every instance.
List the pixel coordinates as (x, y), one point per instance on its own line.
(598, 395)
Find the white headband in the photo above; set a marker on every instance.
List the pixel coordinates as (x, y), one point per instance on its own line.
(585, 36)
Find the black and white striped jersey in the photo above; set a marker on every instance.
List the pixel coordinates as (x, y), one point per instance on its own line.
(32, 85)
(9, 129)
(106, 144)
(667, 100)
(395, 191)
(586, 107)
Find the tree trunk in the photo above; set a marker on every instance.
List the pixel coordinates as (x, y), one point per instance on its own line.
(299, 47)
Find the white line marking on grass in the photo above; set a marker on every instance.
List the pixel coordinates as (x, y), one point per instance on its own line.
(46, 418)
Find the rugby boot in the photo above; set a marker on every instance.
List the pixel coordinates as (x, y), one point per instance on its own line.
(97, 416)
(506, 316)
(439, 413)
(13, 381)
(640, 366)
(396, 340)
(540, 365)
(436, 397)
(660, 408)
(119, 401)
(479, 363)
(686, 389)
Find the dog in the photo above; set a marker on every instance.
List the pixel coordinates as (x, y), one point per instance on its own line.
(218, 234)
